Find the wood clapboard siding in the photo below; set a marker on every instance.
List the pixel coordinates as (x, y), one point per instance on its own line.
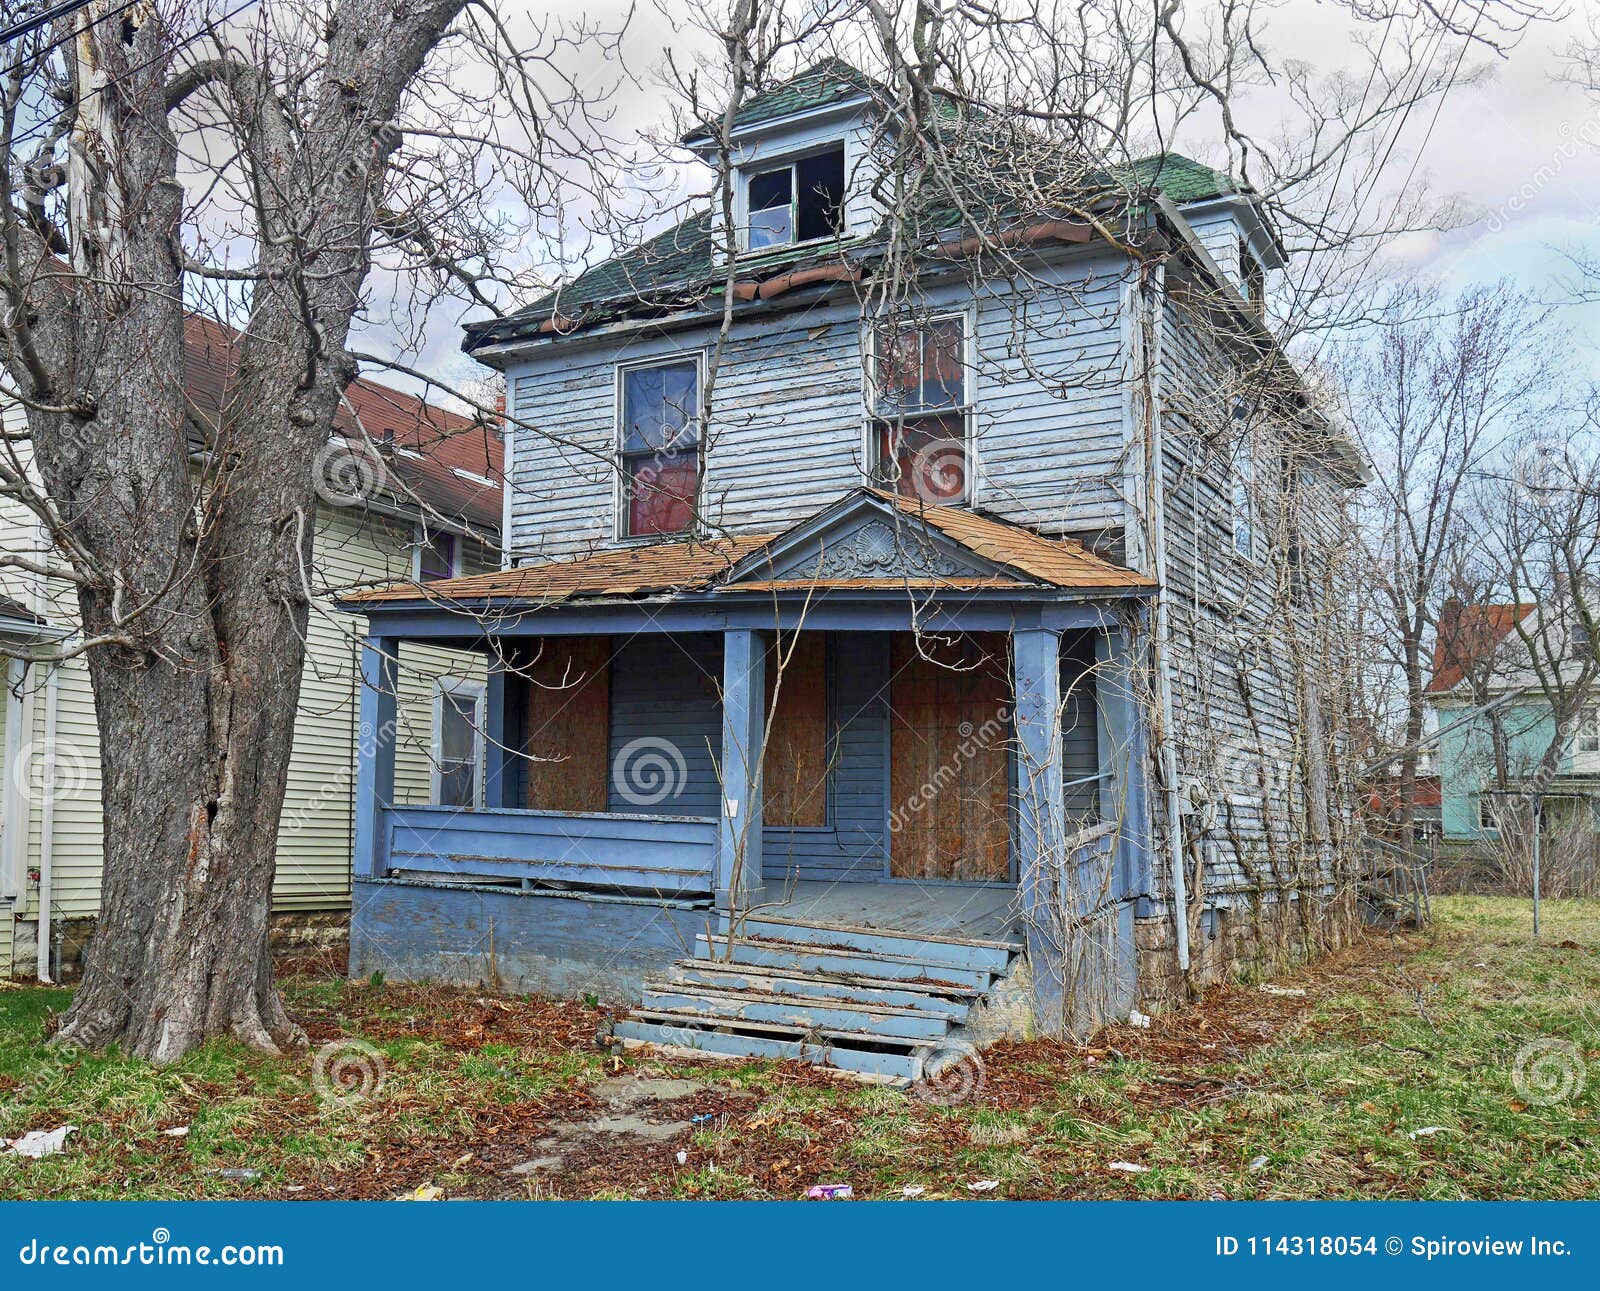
(315, 839)
(666, 725)
(789, 413)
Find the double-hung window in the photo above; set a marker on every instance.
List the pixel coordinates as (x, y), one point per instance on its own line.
(458, 743)
(660, 446)
(920, 410)
(798, 201)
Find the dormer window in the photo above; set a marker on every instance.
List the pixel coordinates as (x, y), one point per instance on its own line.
(798, 201)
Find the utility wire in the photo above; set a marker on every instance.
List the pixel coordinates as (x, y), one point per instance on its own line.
(54, 12)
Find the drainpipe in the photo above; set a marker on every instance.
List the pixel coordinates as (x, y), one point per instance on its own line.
(1155, 492)
(47, 819)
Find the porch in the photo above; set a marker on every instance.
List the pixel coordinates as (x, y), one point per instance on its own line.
(922, 761)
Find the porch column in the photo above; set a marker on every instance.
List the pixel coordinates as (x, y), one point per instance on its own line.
(1124, 757)
(1041, 813)
(744, 662)
(504, 705)
(375, 743)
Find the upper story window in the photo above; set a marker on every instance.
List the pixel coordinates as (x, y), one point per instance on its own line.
(1589, 732)
(659, 445)
(1243, 497)
(920, 410)
(438, 554)
(798, 201)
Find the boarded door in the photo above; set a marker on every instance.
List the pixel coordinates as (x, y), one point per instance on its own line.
(794, 774)
(949, 748)
(568, 712)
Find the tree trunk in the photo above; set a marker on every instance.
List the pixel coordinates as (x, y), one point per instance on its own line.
(200, 575)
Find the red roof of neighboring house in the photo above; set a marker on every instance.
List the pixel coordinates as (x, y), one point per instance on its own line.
(440, 457)
(1468, 633)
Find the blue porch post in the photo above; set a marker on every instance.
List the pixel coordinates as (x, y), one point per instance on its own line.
(1041, 814)
(744, 662)
(375, 751)
(1124, 758)
(504, 703)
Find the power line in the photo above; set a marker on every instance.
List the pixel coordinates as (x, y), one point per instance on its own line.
(54, 12)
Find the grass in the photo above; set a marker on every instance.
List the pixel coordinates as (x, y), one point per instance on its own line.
(1248, 1093)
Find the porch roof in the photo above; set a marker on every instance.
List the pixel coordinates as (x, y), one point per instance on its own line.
(1006, 557)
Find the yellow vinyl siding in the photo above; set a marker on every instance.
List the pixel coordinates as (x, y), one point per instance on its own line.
(314, 849)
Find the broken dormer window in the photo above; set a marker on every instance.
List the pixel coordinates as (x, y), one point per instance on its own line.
(799, 201)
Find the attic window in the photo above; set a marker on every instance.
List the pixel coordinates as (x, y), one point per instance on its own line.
(799, 201)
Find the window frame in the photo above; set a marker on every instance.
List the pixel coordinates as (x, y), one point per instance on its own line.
(751, 171)
(479, 692)
(968, 409)
(1586, 742)
(1242, 485)
(420, 543)
(621, 481)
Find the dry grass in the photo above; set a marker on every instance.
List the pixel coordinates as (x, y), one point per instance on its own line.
(1246, 1094)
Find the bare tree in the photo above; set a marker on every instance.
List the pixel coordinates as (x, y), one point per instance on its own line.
(1437, 394)
(149, 150)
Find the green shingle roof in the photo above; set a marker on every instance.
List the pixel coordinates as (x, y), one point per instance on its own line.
(830, 81)
(676, 267)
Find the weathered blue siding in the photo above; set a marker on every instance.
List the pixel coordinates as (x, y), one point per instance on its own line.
(788, 417)
(664, 688)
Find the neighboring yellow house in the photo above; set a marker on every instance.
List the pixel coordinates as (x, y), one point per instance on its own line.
(50, 824)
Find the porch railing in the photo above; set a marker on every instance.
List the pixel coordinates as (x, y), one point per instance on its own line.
(665, 855)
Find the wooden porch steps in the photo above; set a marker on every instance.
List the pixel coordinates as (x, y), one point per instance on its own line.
(874, 1003)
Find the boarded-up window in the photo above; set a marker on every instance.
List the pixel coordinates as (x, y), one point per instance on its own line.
(569, 702)
(949, 743)
(794, 769)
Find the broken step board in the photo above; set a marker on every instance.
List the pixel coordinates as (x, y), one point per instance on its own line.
(885, 1057)
(799, 957)
(808, 1013)
(930, 948)
(953, 1002)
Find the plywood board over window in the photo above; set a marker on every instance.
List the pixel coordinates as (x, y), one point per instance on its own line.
(949, 751)
(794, 766)
(569, 701)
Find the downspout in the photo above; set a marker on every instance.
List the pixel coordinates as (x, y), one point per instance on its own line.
(1155, 491)
(47, 820)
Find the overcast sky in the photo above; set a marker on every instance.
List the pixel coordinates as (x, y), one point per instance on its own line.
(1521, 151)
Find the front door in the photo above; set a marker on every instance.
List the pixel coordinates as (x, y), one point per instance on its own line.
(949, 755)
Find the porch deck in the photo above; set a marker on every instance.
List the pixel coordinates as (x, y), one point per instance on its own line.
(987, 913)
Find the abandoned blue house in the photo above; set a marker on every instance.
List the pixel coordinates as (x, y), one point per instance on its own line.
(868, 676)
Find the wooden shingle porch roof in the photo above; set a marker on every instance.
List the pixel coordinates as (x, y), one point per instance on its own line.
(1016, 558)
